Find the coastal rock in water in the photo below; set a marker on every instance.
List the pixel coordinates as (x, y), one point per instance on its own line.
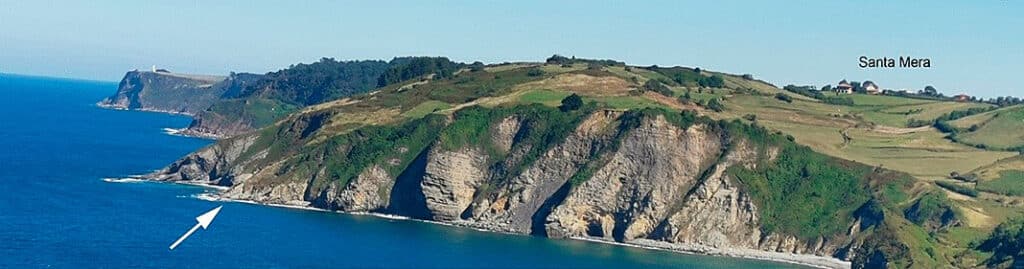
(288, 193)
(215, 164)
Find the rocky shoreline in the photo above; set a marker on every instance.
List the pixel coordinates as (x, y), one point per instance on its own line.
(104, 105)
(693, 249)
(186, 132)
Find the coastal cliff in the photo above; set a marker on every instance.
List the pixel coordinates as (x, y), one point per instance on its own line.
(185, 94)
(172, 92)
(649, 178)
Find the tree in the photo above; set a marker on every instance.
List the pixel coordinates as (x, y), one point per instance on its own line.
(558, 59)
(826, 88)
(306, 84)
(535, 72)
(476, 67)
(571, 102)
(931, 91)
(405, 68)
(686, 98)
(715, 81)
(658, 87)
(784, 97)
(715, 105)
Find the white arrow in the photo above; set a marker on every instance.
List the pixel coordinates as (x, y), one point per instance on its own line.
(204, 221)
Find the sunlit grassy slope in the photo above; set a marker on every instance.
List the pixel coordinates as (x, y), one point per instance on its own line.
(1001, 129)
(868, 139)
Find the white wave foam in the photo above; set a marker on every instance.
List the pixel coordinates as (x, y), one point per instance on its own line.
(172, 131)
(206, 196)
(204, 185)
(124, 180)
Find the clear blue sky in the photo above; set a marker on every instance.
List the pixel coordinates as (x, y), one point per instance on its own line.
(975, 46)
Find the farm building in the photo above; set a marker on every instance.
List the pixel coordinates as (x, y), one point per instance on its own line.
(844, 87)
(870, 87)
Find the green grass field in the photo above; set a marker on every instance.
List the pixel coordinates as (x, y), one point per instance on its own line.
(898, 111)
(426, 108)
(1001, 129)
(981, 118)
(924, 153)
(625, 102)
(554, 98)
(1009, 183)
(546, 97)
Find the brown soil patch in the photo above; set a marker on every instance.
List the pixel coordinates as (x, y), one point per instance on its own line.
(583, 84)
(894, 130)
(976, 217)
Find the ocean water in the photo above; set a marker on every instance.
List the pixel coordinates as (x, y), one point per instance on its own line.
(56, 146)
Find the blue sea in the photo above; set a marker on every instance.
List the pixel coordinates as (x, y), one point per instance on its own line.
(56, 146)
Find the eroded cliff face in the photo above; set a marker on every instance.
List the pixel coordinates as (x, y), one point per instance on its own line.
(519, 206)
(638, 181)
(629, 196)
(450, 181)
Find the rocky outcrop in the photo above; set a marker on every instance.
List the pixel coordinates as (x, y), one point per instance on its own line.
(515, 207)
(626, 199)
(369, 192)
(450, 181)
(217, 164)
(716, 212)
(213, 125)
